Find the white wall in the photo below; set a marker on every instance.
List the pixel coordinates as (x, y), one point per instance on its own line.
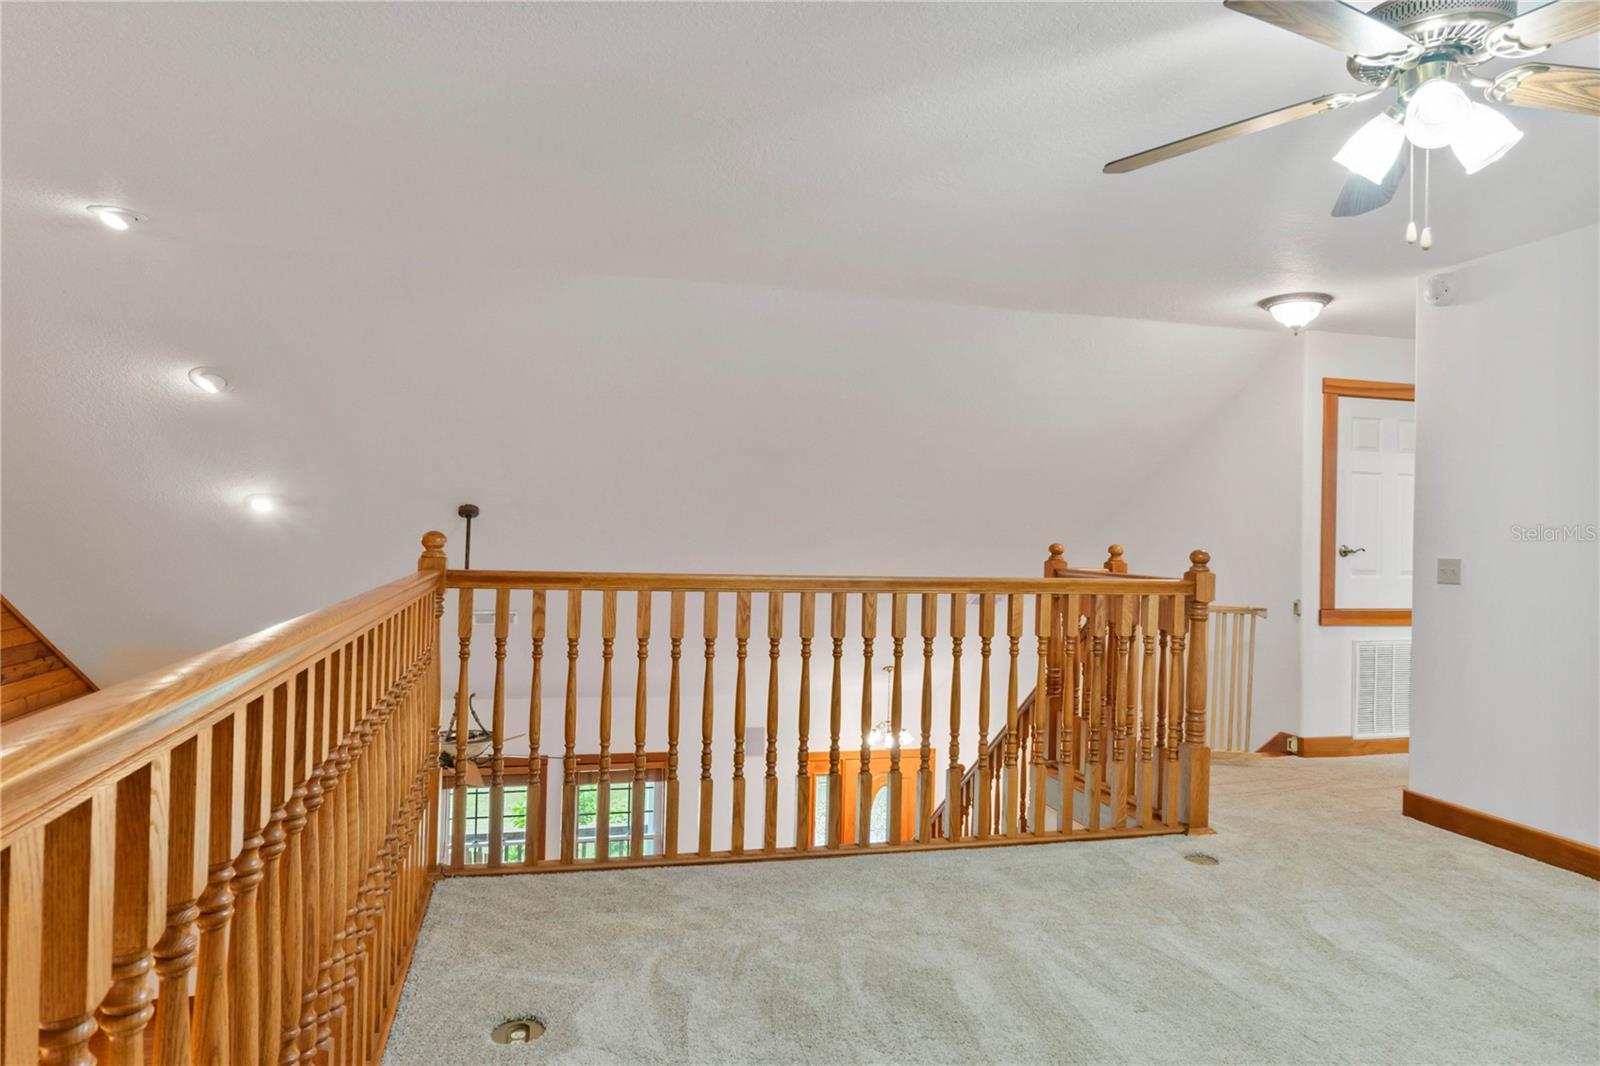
(1507, 704)
(1325, 655)
(1247, 487)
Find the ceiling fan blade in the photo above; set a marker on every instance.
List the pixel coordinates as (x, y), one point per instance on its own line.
(1360, 195)
(1328, 22)
(1575, 89)
(1534, 31)
(1254, 124)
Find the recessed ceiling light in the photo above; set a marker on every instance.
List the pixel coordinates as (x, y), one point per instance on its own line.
(1296, 309)
(208, 380)
(118, 218)
(261, 504)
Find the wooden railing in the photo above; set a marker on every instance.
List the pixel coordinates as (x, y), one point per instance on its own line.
(1101, 724)
(1233, 676)
(1131, 722)
(226, 861)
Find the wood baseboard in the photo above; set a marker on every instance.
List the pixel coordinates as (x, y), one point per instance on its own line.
(1329, 747)
(1497, 832)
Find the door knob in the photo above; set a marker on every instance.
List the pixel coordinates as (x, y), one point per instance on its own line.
(1345, 549)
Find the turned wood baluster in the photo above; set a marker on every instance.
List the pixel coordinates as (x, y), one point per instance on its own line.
(1147, 732)
(138, 912)
(458, 811)
(897, 633)
(336, 849)
(533, 821)
(741, 634)
(497, 742)
(211, 1007)
(1094, 772)
(838, 603)
(1194, 756)
(1043, 620)
(602, 808)
(952, 789)
(311, 863)
(21, 944)
(924, 797)
(1178, 628)
(188, 828)
(804, 802)
(707, 702)
(769, 829)
(330, 933)
(293, 883)
(79, 857)
(674, 713)
(636, 809)
(869, 633)
(1122, 751)
(1070, 695)
(353, 987)
(1011, 800)
(275, 764)
(569, 758)
(985, 772)
(249, 871)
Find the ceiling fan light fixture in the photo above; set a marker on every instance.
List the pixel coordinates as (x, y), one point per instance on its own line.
(1436, 113)
(1296, 310)
(1487, 136)
(1371, 151)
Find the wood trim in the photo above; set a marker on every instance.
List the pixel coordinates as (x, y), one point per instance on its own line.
(1364, 616)
(1330, 747)
(1533, 843)
(1369, 390)
(1329, 612)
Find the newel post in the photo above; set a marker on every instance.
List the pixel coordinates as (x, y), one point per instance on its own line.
(1194, 757)
(1115, 563)
(433, 559)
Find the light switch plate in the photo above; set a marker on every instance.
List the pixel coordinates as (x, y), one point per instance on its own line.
(1449, 571)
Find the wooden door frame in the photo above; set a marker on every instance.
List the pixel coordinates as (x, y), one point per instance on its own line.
(1330, 613)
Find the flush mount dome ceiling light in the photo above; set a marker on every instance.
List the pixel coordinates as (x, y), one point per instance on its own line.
(117, 218)
(208, 380)
(1424, 52)
(1296, 310)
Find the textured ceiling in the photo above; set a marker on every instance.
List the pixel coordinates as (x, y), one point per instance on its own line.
(601, 267)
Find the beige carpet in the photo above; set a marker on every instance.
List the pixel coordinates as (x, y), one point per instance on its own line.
(1333, 930)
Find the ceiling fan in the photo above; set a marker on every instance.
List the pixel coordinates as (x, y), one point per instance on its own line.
(1426, 50)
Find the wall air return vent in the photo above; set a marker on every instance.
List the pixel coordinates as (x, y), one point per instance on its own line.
(1382, 688)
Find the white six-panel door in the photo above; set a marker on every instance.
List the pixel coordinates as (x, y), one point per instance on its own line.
(1377, 478)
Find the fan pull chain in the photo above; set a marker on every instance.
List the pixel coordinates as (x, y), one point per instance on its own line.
(1427, 199)
(1411, 208)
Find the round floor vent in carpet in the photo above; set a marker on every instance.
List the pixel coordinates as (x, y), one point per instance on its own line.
(517, 1031)
(1200, 858)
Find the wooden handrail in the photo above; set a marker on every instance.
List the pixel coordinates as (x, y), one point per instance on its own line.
(49, 762)
(232, 855)
(1081, 581)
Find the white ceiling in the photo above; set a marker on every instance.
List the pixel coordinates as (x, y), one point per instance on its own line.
(535, 254)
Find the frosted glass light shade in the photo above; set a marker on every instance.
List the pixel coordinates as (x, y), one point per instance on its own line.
(1373, 148)
(1436, 113)
(1486, 137)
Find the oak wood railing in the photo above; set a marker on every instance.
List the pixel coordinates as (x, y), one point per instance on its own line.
(226, 861)
(1233, 676)
(1130, 726)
